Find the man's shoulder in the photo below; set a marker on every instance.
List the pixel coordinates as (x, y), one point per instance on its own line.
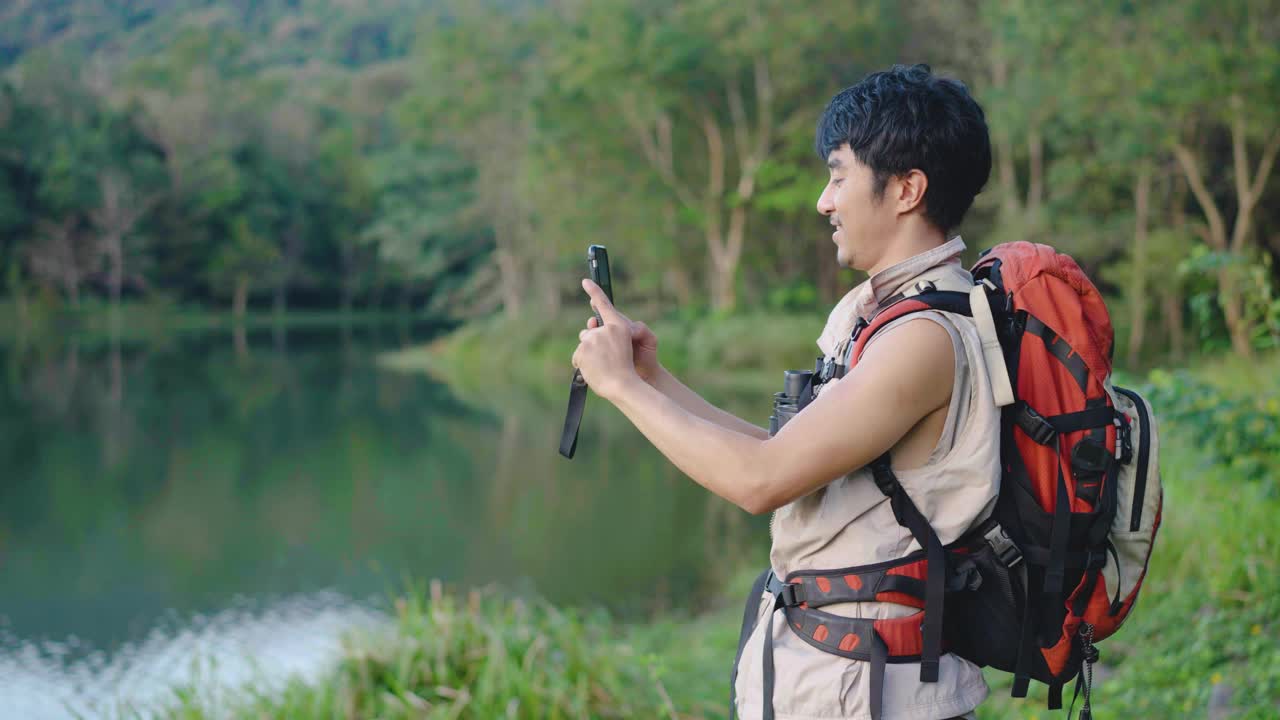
(915, 354)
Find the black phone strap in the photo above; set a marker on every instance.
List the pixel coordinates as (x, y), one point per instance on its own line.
(573, 415)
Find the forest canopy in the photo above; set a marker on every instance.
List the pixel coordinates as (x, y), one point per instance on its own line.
(455, 157)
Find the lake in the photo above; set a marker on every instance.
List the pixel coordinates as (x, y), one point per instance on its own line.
(220, 510)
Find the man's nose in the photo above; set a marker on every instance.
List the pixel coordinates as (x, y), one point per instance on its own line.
(826, 201)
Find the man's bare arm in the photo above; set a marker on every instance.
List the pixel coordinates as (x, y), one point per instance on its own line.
(904, 376)
(685, 397)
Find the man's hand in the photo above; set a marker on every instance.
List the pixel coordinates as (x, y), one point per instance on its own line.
(644, 346)
(904, 378)
(604, 354)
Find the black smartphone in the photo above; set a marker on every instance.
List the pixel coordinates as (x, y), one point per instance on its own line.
(598, 266)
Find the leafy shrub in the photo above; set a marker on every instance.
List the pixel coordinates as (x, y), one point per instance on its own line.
(1239, 426)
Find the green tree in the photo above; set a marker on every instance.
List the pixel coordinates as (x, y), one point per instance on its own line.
(1222, 68)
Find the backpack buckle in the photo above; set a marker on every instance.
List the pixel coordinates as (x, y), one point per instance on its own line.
(1003, 546)
(858, 327)
(1034, 425)
(786, 596)
(1124, 439)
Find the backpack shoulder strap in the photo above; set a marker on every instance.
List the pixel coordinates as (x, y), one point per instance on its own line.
(977, 304)
(904, 510)
(900, 306)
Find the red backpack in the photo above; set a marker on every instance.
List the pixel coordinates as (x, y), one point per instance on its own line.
(1080, 499)
(1058, 565)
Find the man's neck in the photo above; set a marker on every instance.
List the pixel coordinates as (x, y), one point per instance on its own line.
(908, 246)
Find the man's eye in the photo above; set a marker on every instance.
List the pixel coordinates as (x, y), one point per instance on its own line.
(837, 181)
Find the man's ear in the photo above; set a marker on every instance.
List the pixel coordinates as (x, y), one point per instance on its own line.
(910, 187)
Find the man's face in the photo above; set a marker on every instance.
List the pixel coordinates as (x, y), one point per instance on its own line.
(864, 223)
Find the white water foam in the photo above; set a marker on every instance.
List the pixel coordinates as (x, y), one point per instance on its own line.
(216, 657)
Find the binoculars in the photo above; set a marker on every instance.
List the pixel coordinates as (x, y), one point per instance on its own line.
(797, 391)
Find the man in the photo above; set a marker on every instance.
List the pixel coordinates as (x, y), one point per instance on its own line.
(907, 152)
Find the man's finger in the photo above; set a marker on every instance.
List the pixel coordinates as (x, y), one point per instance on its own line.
(591, 322)
(601, 303)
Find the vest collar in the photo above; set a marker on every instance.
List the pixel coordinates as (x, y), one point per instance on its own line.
(863, 300)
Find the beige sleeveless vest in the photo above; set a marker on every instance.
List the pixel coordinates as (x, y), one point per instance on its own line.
(849, 522)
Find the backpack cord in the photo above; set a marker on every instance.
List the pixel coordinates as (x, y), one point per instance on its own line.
(1090, 656)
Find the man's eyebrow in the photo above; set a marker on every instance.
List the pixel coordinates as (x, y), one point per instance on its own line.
(835, 163)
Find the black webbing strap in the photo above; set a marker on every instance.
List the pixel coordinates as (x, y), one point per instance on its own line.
(1094, 417)
(749, 614)
(573, 415)
(1061, 350)
(1055, 696)
(910, 517)
(1026, 642)
(1046, 430)
(879, 657)
(767, 670)
(1055, 571)
(1073, 560)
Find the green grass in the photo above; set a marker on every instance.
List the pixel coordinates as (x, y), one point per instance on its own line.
(475, 655)
(1204, 634)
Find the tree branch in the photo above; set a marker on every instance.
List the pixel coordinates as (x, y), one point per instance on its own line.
(764, 107)
(1264, 165)
(656, 151)
(1239, 154)
(738, 115)
(1217, 228)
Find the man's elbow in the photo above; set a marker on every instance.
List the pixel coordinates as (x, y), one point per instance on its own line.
(760, 498)
(756, 506)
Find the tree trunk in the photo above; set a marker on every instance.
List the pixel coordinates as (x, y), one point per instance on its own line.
(509, 282)
(725, 295)
(1171, 300)
(115, 276)
(240, 340)
(1233, 309)
(1138, 280)
(675, 278)
(240, 297)
(1035, 185)
(347, 300)
(1217, 237)
(1005, 169)
(1008, 175)
(713, 229)
(280, 301)
(1173, 289)
(1248, 191)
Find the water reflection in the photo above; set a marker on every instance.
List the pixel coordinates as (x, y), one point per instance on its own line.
(149, 486)
(232, 651)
